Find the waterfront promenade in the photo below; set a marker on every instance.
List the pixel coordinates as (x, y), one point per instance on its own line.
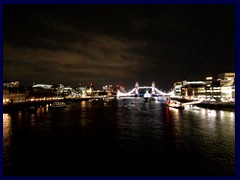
(18, 101)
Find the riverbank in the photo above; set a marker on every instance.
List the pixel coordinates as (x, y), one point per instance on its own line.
(32, 105)
(210, 104)
(221, 106)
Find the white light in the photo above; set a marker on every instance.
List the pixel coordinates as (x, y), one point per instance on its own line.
(208, 78)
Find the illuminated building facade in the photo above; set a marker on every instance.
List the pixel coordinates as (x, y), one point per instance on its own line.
(222, 89)
(178, 88)
(11, 84)
(42, 86)
(13, 87)
(193, 89)
(227, 85)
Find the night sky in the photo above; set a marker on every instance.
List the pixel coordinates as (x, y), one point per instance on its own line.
(117, 44)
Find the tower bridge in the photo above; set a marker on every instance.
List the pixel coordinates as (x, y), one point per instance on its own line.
(154, 91)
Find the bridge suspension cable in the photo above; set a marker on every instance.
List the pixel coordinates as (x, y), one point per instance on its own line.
(130, 92)
(165, 94)
(135, 91)
(126, 94)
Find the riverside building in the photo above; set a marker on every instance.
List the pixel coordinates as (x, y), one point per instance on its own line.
(221, 89)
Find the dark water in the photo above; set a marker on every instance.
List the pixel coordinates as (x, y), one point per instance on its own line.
(124, 137)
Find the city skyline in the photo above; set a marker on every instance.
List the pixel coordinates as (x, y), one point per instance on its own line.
(117, 44)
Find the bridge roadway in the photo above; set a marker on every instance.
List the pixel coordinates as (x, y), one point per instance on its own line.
(145, 87)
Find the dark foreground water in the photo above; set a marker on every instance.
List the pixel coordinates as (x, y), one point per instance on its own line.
(125, 137)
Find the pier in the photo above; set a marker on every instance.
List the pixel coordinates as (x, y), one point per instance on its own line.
(206, 104)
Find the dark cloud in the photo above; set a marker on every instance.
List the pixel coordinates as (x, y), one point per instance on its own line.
(117, 43)
(101, 57)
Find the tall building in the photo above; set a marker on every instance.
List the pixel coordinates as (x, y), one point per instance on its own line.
(226, 79)
(178, 88)
(227, 84)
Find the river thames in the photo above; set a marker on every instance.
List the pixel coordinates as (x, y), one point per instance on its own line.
(124, 137)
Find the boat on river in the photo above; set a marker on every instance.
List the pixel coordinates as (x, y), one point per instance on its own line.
(58, 105)
(148, 97)
(174, 104)
(101, 100)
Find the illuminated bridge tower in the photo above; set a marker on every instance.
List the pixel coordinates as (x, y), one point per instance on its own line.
(153, 87)
(136, 88)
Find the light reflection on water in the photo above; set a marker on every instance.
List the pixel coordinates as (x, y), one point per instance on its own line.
(6, 128)
(124, 137)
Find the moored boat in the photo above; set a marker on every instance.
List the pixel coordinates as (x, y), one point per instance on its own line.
(96, 100)
(58, 104)
(100, 100)
(174, 104)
